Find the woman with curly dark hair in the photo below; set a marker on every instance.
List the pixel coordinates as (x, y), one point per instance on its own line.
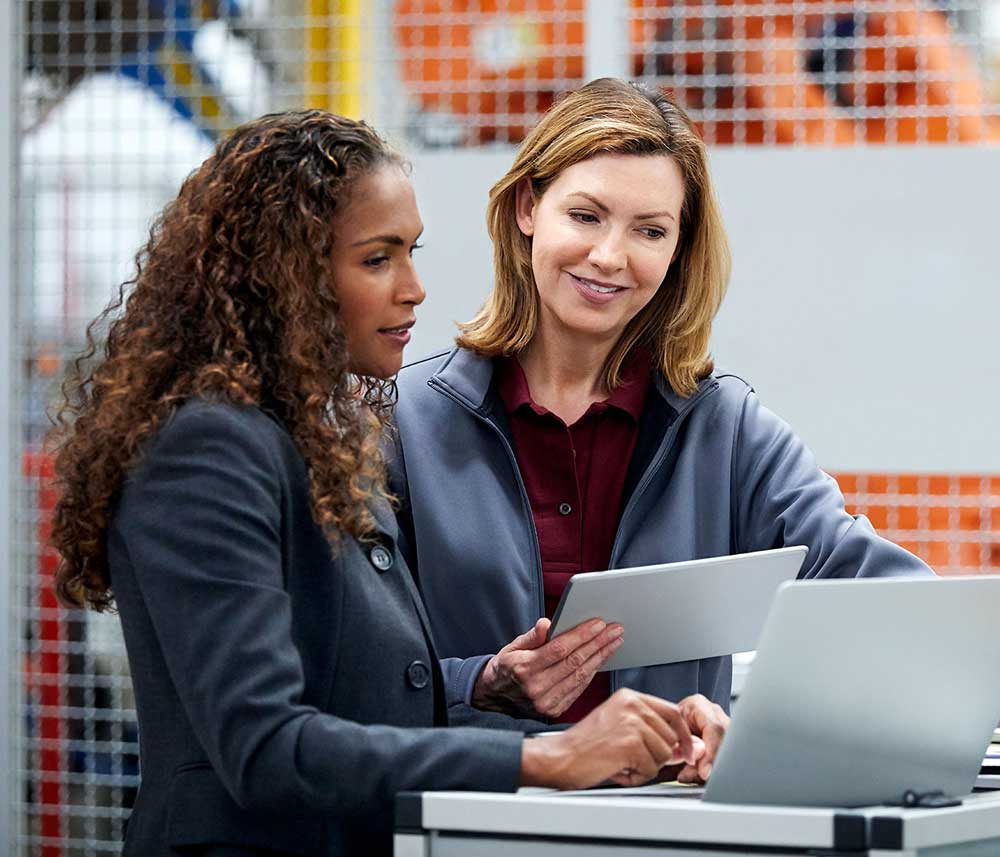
(222, 486)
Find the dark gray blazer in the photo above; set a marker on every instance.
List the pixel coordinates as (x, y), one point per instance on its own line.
(284, 694)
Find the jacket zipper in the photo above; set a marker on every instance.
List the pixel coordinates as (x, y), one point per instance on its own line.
(643, 483)
(525, 502)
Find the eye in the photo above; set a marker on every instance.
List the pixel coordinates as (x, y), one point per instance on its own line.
(376, 261)
(583, 217)
(653, 232)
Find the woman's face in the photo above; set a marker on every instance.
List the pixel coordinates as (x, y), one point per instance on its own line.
(377, 285)
(602, 238)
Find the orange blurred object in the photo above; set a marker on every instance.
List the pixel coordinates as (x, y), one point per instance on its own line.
(499, 63)
(490, 59)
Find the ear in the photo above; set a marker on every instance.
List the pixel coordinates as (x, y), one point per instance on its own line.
(525, 207)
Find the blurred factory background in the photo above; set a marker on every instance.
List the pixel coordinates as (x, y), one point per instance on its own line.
(855, 146)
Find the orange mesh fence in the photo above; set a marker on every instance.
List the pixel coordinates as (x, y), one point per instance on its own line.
(952, 522)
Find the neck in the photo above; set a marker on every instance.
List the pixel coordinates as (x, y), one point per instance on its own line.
(564, 372)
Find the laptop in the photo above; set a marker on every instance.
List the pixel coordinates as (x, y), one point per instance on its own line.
(863, 690)
(680, 611)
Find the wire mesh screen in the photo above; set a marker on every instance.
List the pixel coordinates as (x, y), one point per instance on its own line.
(786, 71)
(951, 522)
(825, 72)
(120, 99)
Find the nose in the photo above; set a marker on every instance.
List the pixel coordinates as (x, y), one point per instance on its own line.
(410, 290)
(608, 252)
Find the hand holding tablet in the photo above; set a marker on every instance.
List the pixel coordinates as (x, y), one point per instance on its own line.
(533, 675)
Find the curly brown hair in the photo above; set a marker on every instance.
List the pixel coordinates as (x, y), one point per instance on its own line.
(233, 300)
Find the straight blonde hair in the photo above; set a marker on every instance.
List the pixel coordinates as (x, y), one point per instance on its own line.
(613, 116)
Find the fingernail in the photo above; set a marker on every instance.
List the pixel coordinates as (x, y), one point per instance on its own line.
(597, 627)
(616, 644)
(617, 632)
(708, 770)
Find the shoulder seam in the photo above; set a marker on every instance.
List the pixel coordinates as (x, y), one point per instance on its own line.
(740, 378)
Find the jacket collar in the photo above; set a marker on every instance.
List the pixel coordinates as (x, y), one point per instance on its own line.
(469, 377)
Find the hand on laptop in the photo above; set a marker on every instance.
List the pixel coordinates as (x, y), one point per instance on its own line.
(708, 721)
(531, 677)
(627, 740)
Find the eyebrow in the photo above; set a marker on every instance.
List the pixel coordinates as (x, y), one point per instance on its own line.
(606, 210)
(395, 240)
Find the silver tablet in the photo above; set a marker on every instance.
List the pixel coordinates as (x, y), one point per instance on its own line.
(680, 611)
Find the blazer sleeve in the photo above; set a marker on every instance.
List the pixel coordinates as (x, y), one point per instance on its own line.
(201, 524)
(783, 498)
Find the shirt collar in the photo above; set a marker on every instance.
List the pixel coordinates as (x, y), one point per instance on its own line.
(629, 396)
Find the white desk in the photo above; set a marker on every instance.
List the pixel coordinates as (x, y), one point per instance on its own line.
(548, 824)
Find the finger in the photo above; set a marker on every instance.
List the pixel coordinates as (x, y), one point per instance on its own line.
(674, 719)
(661, 744)
(559, 647)
(699, 747)
(566, 691)
(688, 774)
(669, 737)
(707, 720)
(594, 652)
(645, 750)
(678, 760)
(704, 770)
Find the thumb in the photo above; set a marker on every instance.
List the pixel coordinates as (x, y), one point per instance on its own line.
(535, 637)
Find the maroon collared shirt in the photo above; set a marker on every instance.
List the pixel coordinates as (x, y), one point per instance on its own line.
(575, 478)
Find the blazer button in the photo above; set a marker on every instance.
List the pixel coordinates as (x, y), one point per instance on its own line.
(381, 558)
(417, 675)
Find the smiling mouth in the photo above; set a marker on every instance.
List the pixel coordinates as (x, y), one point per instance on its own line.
(403, 328)
(597, 288)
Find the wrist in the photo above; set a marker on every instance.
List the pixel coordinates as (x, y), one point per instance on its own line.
(543, 761)
(482, 697)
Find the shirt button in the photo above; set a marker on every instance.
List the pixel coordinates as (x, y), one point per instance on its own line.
(565, 508)
(381, 558)
(417, 675)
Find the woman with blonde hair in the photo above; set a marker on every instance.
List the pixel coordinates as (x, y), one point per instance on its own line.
(579, 423)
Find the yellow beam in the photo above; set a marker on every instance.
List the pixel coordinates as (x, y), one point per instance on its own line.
(335, 61)
(185, 79)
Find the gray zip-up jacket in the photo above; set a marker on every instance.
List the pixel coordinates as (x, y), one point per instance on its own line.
(712, 474)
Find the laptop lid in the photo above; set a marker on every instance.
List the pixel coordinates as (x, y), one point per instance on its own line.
(862, 689)
(680, 611)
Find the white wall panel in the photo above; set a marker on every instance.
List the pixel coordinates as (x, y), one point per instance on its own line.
(865, 300)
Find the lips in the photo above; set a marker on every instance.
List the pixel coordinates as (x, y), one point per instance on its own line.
(399, 329)
(598, 286)
(595, 291)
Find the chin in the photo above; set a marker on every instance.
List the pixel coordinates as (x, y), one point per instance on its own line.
(381, 370)
(381, 374)
(592, 327)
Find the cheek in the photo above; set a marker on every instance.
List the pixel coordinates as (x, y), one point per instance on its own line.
(553, 249)
(354, 314)
(653, 269)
